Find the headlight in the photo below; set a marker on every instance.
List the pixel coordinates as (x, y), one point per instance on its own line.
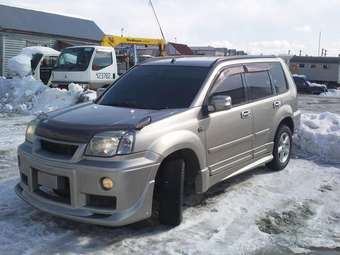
(30, 130)
(108, 144)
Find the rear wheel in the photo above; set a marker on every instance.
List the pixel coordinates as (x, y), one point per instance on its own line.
(171, 185)
(282, 148)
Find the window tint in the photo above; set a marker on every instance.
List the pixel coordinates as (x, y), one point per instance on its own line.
(302, 65)
(156, 87)
(278, 78)
(258, 84)
(101, 60)
(230, 83)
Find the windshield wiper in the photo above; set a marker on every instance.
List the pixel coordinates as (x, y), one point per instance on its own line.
(125, 104)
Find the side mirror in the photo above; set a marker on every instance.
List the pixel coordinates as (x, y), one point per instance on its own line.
(219, 103)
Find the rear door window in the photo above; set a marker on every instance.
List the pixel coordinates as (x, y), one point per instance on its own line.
(258, 84)
(278, 78)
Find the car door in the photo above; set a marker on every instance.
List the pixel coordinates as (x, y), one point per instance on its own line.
(263, 106)
(229, 132)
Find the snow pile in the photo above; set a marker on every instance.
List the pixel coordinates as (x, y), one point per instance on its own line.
(331, 93)
(29, 96)
(21, 64)
(319, 134)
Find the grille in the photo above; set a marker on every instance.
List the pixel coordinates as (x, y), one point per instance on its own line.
(58, 148)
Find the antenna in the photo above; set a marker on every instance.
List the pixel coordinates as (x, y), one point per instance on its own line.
(159, 24)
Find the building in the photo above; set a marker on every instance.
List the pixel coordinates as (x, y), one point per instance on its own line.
(318, 69)
(215, 51)
(174, 49)
(20, 28)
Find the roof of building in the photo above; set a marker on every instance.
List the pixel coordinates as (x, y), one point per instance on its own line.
(310, 59)
(182, 49)
(203, 61)
(19, 19)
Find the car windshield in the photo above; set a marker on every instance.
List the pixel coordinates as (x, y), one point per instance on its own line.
(74, 59)
(156, 87)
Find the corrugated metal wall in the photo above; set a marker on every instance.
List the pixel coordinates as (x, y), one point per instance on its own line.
(1, 43)
(13, 42)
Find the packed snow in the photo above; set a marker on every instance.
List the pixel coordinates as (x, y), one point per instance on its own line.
(319, 135)
(29, 96)
(331, 93)
(21, 64)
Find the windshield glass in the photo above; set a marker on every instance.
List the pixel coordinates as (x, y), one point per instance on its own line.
(74, 59)
(156, 87)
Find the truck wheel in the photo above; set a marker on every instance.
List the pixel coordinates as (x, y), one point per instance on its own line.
(282, 148)
(171, 185)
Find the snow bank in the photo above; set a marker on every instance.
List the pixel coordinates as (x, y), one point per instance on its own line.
(29, 96)
(21, 64)
(319, 134)
(331, 93)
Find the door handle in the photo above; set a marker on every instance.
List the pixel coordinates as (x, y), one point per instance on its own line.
(245, 114)
(276, 104)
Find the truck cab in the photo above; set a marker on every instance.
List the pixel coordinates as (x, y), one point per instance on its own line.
(92, 67)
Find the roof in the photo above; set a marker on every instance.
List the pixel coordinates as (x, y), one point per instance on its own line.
(13, 18)
(203, 61)
(309, 59)
(182, 49)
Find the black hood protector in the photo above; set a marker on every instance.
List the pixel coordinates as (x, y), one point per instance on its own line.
(81, 122)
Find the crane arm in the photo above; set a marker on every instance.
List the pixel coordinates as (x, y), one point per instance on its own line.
(113, 41)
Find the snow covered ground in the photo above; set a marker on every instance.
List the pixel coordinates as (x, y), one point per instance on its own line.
(331, 93)
(260, 212)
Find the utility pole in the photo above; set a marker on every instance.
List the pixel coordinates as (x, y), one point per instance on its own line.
(159, 24)
(319, 44)
(300, 54)
(122, 32)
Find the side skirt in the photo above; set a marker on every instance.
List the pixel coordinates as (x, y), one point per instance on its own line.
(204, 180)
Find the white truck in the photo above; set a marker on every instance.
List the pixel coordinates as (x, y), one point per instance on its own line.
(96, 66)
(92, 67)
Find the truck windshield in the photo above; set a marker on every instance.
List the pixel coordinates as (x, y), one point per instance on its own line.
(74, 59)
(156, 87)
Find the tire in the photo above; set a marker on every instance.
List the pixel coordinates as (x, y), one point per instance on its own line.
(171, 186)
(281, 159)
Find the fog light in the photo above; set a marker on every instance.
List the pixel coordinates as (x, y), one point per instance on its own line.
(107, 183)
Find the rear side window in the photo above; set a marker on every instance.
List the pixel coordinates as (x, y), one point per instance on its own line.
(101, 60)
(258, 84)
(230, 83)
(278, 78)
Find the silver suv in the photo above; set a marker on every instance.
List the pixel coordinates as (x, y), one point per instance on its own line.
(166, 125)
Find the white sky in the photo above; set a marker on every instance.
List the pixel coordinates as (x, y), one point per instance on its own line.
(257, 26)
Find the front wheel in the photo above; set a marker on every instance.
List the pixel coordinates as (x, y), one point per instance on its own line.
(282, 148)
(171, 185)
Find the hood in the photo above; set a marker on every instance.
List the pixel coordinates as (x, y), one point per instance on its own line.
(81, 122)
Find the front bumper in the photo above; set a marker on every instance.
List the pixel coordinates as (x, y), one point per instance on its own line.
(133, 178)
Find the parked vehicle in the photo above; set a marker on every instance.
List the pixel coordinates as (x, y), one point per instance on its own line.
(307, 87)
(166, 124)
(96, 66)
